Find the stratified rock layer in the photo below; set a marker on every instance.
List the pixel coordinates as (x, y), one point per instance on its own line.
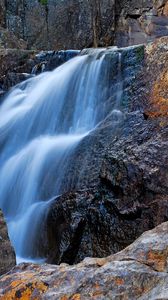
(138, 272)
(7, 255)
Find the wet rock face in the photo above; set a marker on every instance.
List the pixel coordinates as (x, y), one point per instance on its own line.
(7, 255)
(135, 166)
(130, 198)
(121, 188)
(139, 271)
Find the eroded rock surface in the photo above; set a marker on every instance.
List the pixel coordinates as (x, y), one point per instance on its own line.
(137, 272)
(7, 255)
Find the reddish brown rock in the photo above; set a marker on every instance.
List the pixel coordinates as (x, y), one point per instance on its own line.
(156, 100)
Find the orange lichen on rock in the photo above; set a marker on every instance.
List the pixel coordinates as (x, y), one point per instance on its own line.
(76, 297)
(119, 281)
(73, 297)
(165, 11)
(157, 260)
(19, 290)
(64, 298)
(159, 97)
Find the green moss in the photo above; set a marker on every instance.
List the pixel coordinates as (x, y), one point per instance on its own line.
(43, 2)
(140, 53)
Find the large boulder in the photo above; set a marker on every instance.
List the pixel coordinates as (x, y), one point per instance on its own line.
(138, 272)
(7, 255)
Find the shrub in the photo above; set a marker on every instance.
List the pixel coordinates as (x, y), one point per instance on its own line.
(43, 2)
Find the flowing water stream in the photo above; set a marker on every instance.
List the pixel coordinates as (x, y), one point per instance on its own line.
(42, 120)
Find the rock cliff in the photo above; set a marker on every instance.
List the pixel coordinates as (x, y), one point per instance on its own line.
(140, 21)
(78, 24)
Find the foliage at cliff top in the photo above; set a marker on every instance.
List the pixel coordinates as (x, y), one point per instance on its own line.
(43, 2)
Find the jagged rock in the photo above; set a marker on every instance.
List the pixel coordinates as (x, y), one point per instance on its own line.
(138, 272)
(7, 255)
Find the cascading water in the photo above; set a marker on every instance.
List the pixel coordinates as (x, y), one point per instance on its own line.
(42, 120)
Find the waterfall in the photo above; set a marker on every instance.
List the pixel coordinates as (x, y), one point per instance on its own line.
(42, 120)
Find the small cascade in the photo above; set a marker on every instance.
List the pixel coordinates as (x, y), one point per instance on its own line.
(42, 121)
(49, 60)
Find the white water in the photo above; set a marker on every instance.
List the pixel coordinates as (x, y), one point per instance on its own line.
(41, 122)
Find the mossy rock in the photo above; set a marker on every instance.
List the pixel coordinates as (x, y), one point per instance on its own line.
(140, 53)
